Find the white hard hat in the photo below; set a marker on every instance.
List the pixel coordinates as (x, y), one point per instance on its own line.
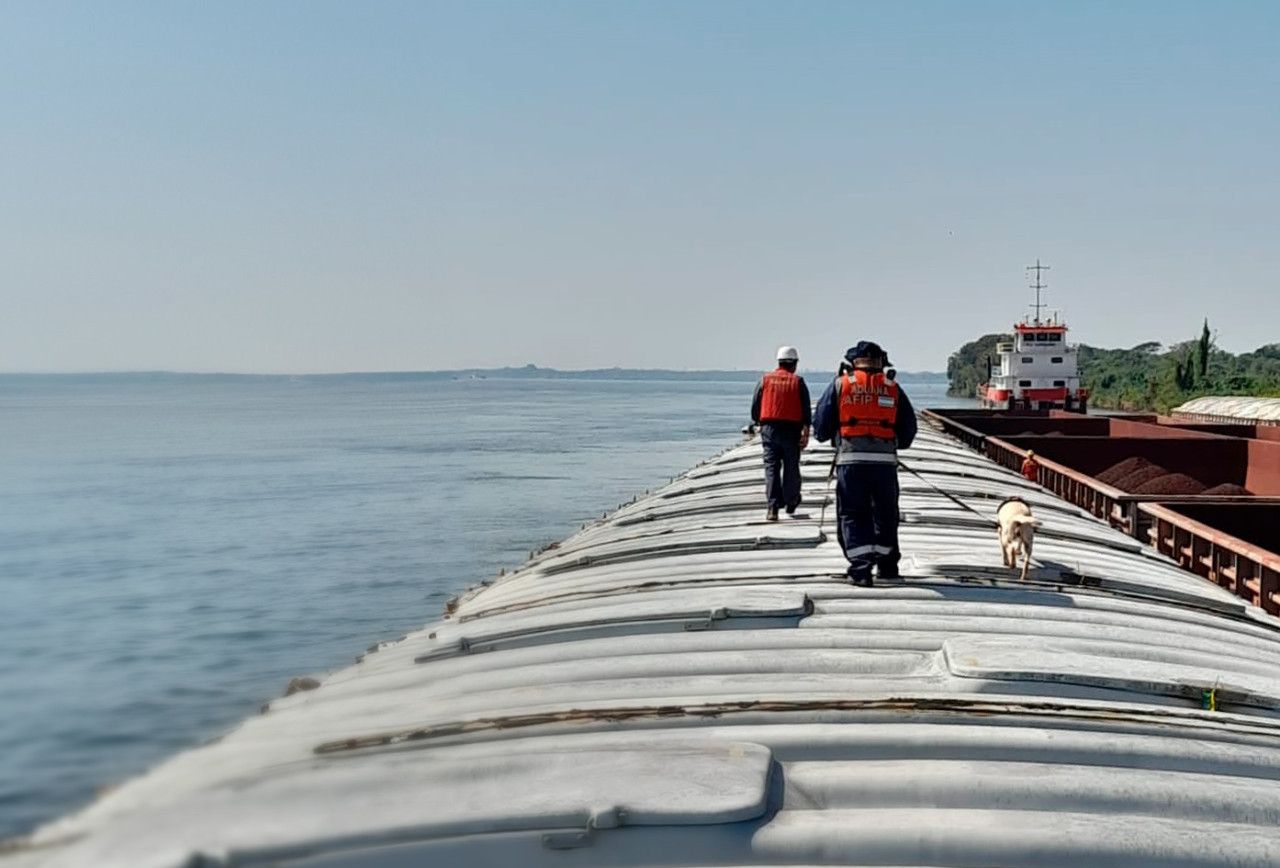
(788, 354)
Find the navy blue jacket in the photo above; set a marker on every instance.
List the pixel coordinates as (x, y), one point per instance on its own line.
(826, 420)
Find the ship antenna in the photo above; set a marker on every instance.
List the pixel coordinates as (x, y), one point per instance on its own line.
(1038, 285)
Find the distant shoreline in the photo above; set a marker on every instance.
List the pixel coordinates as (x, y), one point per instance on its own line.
(529, 372)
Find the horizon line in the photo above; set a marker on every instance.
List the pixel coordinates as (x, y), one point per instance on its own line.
(529, 368)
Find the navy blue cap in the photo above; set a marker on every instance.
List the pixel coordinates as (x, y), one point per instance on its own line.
(866, 350)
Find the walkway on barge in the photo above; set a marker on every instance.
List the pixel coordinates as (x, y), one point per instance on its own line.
(682, 683)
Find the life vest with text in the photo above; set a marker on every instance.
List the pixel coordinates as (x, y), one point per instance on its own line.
(780, 397)
(868, 405)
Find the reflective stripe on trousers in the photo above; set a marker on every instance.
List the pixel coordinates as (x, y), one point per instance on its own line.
(859, 551)
(867, 504)
(867, 458)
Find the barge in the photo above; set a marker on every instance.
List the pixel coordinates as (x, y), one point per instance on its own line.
(1231, 410)
(683, 684)
(1207, 494)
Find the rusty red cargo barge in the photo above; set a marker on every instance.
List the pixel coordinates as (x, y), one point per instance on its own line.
(1207, 495)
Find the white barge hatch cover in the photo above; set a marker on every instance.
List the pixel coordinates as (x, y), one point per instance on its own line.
(685, 684)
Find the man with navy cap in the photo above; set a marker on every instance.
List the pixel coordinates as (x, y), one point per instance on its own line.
(869, 417)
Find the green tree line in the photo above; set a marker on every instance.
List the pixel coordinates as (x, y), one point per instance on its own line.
(1148, 376)
(967, 367)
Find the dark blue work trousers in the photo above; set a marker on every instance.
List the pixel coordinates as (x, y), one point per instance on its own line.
(781, 443)
(867, 502)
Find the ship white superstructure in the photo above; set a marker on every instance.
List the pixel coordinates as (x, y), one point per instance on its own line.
(1038, 369)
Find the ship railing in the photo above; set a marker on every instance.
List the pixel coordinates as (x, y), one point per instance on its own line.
(970, 437)
(1115, 506)
(1247, 570)
(1121, 509)
(1215, 419)
(1006, 347)
(1228, 561)
(1112, 505)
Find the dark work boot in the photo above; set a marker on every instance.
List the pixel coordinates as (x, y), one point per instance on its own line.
(772, 514)
(859, 577)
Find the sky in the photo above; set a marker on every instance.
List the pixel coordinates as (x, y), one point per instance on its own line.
(292, 187)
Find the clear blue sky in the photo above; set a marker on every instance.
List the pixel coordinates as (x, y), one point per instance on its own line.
(309, 186)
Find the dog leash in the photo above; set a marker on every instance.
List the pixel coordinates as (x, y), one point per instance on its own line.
(826, 494)
(948, 495)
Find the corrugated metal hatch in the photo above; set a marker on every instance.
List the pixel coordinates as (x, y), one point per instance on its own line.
(682, 683)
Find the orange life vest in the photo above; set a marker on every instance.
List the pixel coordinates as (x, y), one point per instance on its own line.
(868, 406)
(1031, 469)
(780, 397)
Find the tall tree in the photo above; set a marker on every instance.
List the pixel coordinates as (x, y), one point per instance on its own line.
(1202, 352)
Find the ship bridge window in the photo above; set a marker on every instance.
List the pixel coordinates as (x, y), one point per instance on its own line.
(1055, 338)
(1057, 360)
(1024, 383)
(1042, 337)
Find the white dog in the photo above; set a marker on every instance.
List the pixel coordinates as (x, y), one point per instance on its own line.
(1017, 533)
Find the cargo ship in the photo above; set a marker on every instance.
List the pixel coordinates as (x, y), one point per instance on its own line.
(684, 684)
(1037, 369)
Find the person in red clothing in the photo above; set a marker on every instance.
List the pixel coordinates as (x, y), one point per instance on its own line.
(1031, 467)
(783, 411)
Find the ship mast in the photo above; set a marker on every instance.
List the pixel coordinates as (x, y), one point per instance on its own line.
(1037, 286)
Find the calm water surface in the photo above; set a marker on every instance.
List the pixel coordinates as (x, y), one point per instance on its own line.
(174, 550)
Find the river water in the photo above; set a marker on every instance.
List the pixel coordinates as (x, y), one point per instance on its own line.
(173, 549)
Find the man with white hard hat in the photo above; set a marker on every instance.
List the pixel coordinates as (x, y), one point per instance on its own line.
(782, 409)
